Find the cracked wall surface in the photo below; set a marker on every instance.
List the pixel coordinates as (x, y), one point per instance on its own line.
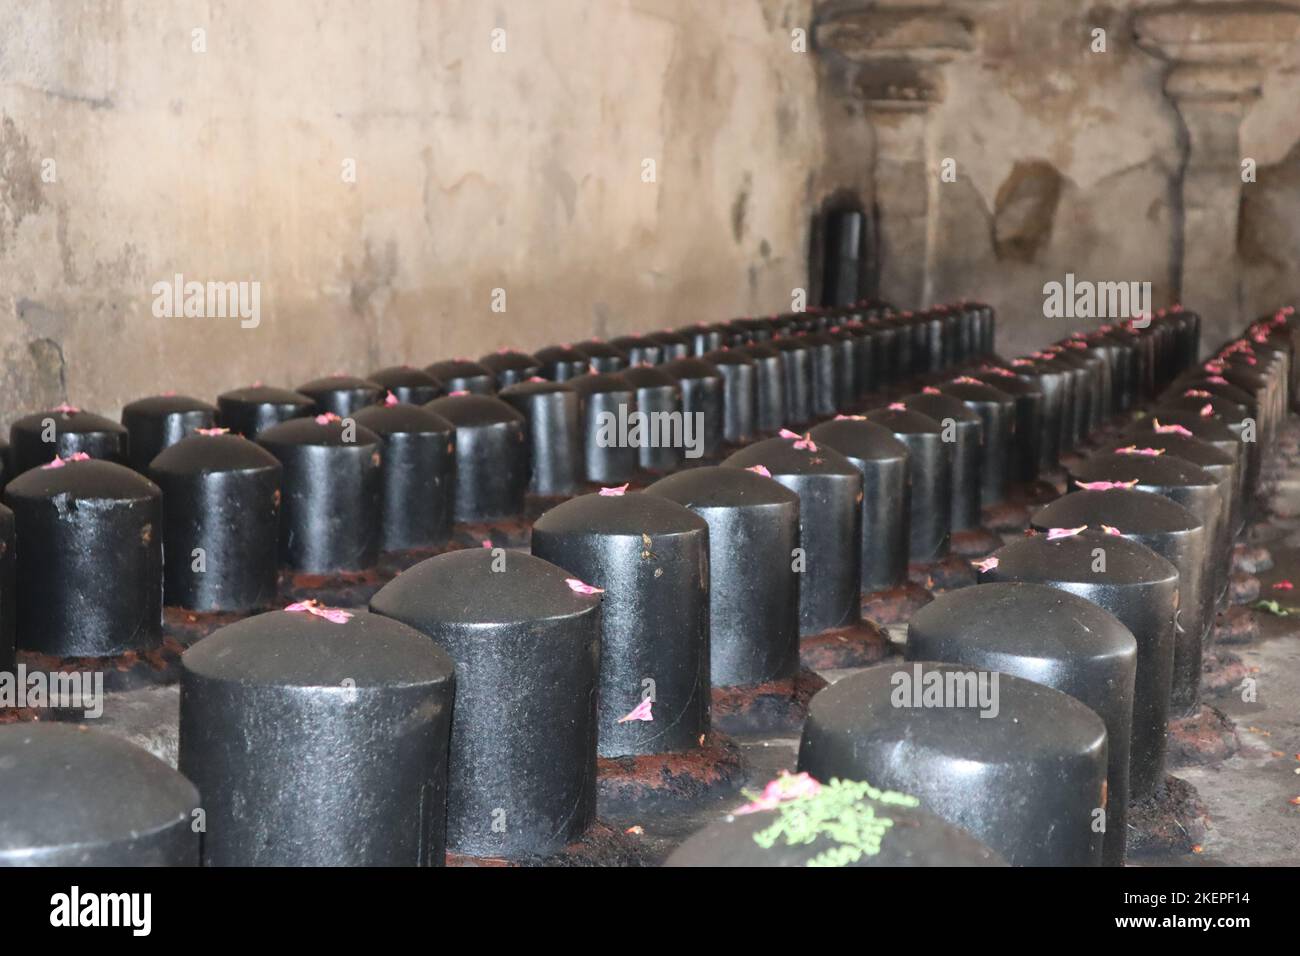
(475, 170)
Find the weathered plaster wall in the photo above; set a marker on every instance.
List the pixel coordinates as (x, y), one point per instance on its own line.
(475, 170)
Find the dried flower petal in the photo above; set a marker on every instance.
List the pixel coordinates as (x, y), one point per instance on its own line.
(850, 418)
(1207, 410)
(1115, 531)
(1197, 393)
(966, 380)
(988, 564)
(930, 390)
(333, 614)
(327, 418)
(578, 587)
(640, 712)
(212, 431)
(458, 392)
(897, 407)
(1135, 450)
(786, 787)
(614, 492)
(759, 470)
(1106, 485)
(1170, 429)
(486, 543)
(63, 408)
(1055, 534)
(1283, 586)
(390, 400)
(60, 462)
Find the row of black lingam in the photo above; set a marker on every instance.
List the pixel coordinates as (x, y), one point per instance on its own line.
(674, 546)
(1032, 709)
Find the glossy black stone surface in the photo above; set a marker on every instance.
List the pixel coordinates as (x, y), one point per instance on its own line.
(462, 375)
(418, 472)
(552, 413)
(38, 438)
(930, 472)
(160, 422)
(342, 395)
(250, 411)
(491, 456)
(408, 384)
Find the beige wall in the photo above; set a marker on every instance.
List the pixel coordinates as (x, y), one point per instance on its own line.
(476, 170)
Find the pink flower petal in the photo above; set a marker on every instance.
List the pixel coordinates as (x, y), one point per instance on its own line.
(1056, 534)
(334, 615)
(640, 712)
(988, 564)
(65, 409)
(458, 392)
(327, 418)
(1106, 485)
(60, 462)
(966, 380)
(1170, 429)
(783, 789)
(485, 543)
(1207, 410)
(212, 431)
(1196, 393)
(1283, 586)
(390, 400)
(1135, 450)
(850, 418)
(930, 390)
(759, 470)
(578, 587)
(1109, 530)
(614, 492)
(787, 434)
(897, 407)
(1217, 380)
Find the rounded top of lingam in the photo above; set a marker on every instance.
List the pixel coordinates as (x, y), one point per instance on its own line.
(69, 420)
(408, 376)
(401, 419)
(1192, 449)
(265, 395)
(319, 647)
(159, 405)
(472, 411)
(593, 348)
(84, 479)
(339, 383)
(1151, 471)
(648, 376)
(213, 452)
(509, 359)
(328, 430)
(858, 439)
(534, 386)
(70, 787)
(596, 382)
(631, 515)
(1206, 429)
(476, 586)
(904, 421)
(796, 455)
(1072, 558)
(719, 486)
(1126, 509)
(728, 356)
(449, 369)
(685, 369)
(970, 389)
(940, 405)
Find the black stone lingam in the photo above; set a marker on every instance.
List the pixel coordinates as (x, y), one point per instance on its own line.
(341, 395)
(829, 487)
(886, 496)
(1196, 401)
(606, 400)
(1213, 432)
(769, 388)
(674, 346)
(1055, 385)
(331, 506)
(864, 358)
(62, 432)
(81, 797)
(408, 384)
(1189, 485)
(739, 373)
(89, 564)
(221, 524)
(702, 401)
(491, 456)
(8, 591)
(462, 375)
(965, 439)
(827, 363)
(418, 473)
(1023, 769)
(930, 472)
(553, 416)
(251, 411)
(658, 397)
(910, 836)
(1052, 638)
(796, 379)
(1026, 449)
(753, 590)
(651, 557)
(998, 410)
(602, 357)
(1172, 532)
(526, 644)
(562, 362)
(510, 367)
(318, 737)
(639, 349)
(160, 422)
(1140, 588)
(705, 338)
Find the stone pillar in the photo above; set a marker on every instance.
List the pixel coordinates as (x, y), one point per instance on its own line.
(1217, 55)
(898, 54)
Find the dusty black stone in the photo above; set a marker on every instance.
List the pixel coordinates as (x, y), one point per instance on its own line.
(965, 450)
(160, 422)
(462, 375)
(702, 398)
(491, 456)
(769, 387)
(739, 373)
(930, 473)
(553, 416)
(796, 379)
(522, 768)
(658, 396)
(601, 398)
(510, 367)
(342, 395)
(318, 744)
(418, 473)
(603, 357)
(250, 411)
(70, 432)
(561, 362)
(639, 349)
(408, 384)
(998, 411)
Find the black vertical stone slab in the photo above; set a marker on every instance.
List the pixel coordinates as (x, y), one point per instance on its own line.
(511, 367)
(769, 379)
(331, 502)
(966, 450)
(408, 384)
(886, 496)
(1172, 532)
(998, 410)
(651, 557)
(675, 346)
(913, 838)
(89, 565)
(316, 743)
(639, 349)
(602, 357)
(658, 398)
(753, 590)
(160, 422)
(553, 416)
(1053, 384)
(1026, 781)
(1140, 588)
(526, 645)
(491, 456)
(8, 591)
(250, 411)
(606, 399)
(826, 362)
(864, 357)
(562, 362)
(1026, 449)
(704, 338)
(797, 380)
(462, 375)
(62, 432)
(930, 473)
(221, 523)
(702, 399)
(1052, 638)
(418, 472)
(829, 487)
(341, 395)
(739, 373)
(81, 797)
